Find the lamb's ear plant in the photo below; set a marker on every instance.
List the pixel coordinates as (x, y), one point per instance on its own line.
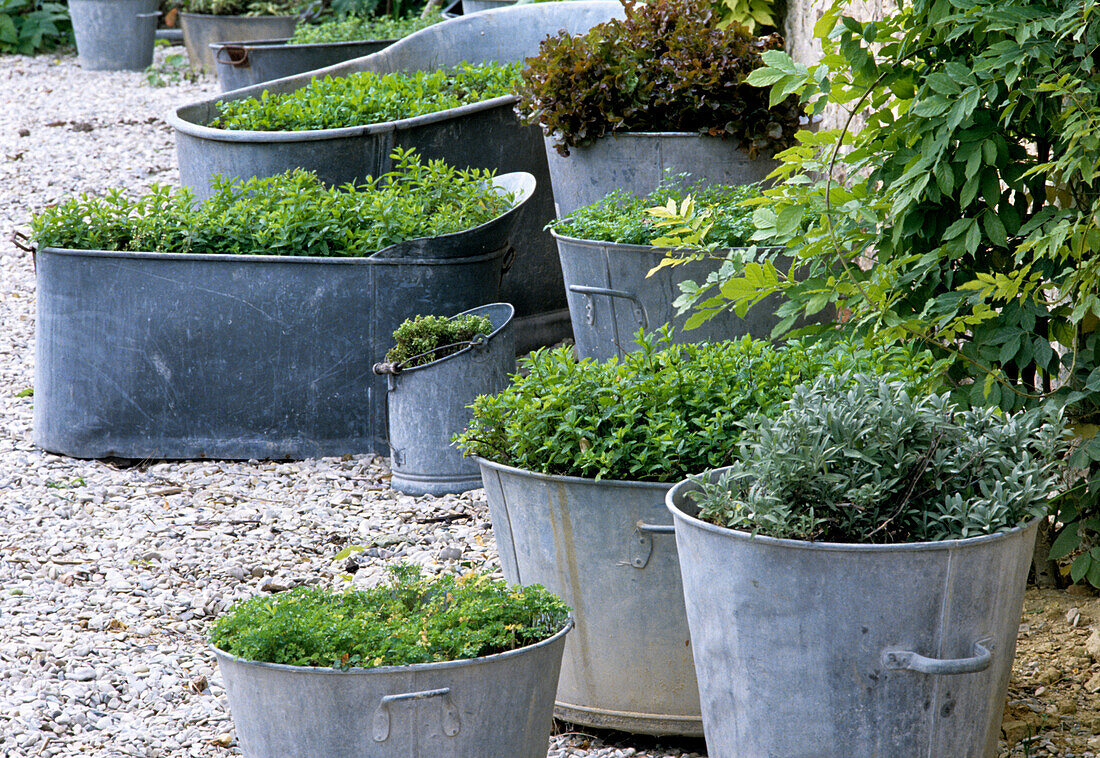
(865, 460)
(423, 339)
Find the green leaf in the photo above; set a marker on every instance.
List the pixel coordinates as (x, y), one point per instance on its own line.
(1065, 543)
(1080, 567)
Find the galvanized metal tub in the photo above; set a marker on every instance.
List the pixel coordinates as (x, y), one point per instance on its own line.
(605, 548)
(482, 135)
(154, 355)
(200, 30)
(494, 705)
(637, 161)
(476, 6)
(243, 63)
(114, 35)
(429, 404)
(611, 297)
(818, 650)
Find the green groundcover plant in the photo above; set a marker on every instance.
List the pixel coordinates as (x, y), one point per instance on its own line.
(288, 214)
(411, 619)
(31, 26)
(668, 66)
(624, 217)
(368, 98)
(424, 339)
(664, 412)
(863, 459)
(350, 29)
(244, 7)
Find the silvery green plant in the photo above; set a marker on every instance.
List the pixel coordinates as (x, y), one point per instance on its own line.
(861, 459)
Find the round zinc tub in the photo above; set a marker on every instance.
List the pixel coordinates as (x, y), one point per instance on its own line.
(606, 548)
(244, 63)
(177, 355)
(200, 30)
(429, 404)
(114, 35)
(494, 705)
(835, 650)
(638, 161)
(481, 135)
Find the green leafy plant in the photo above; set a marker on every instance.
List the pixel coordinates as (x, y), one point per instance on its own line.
(246, 7)
(666, 67)
(664, 412)
(423, 339)
(31, 26)
(969, 217)
(368, 98)
(410, 620)
(288, 214)
(624, 217)
(171, 69)
(354, 28)
(862, 459)
(750, 14)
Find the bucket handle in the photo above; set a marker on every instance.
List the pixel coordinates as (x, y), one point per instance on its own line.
(236, 56)
(589, 307)
(641, 544)
(910, 661)
(382, 714)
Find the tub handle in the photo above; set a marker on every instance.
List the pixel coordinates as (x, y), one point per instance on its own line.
(382, 715)
(235, 56)
(910, 661)
(641, 544)
(590, 308)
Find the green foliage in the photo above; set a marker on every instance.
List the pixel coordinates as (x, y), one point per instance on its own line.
(368, 98)
(863, 459)
(666, 67)
(355, 28)
(419, 339)
(172, 69)
(31, 26)
(410, 620)
(246, 7)
(751, 14)
(288, 214)
(624, 217)
(664, 412)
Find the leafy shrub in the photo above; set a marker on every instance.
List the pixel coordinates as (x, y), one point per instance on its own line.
(30, 26)
(863, 459)
(665, 67)
(422, 339)
(350, 29)
(412, 620)
(368, 98)
(664, 412)
(289, 214)
(246, 7)
(622, 216)
(173, 68)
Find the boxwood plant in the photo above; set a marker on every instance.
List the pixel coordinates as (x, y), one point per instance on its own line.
(424, 339)
(863, 459)
(409, 620)
(668, 66)
(355, 28)
(664, 411)
(288, 214)
(367, 97)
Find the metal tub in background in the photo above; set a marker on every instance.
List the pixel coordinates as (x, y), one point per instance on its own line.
(200, 30)
(243, 63)
(821, 650)
(154, 355)
(606, 548)
(429, 404)
(114, 35)
(481, 135)
(496, 705)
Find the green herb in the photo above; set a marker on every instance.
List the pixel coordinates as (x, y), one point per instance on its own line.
(420, 339)
(350, 29)
(666, 67)
(863, 459)
(623, 217)
(31, 26)
(368, 98)
(664, 412)
(412, 620)
(288, 214)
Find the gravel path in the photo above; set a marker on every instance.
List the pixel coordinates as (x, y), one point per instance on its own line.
(110, 574)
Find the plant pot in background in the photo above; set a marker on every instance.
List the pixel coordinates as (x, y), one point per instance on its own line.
(244, 63)
(429, 404)
(200, 30)
(114, 35)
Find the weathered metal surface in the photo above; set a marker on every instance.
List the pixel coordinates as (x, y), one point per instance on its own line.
(114, 35)
(243, 63)
(201, 30)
